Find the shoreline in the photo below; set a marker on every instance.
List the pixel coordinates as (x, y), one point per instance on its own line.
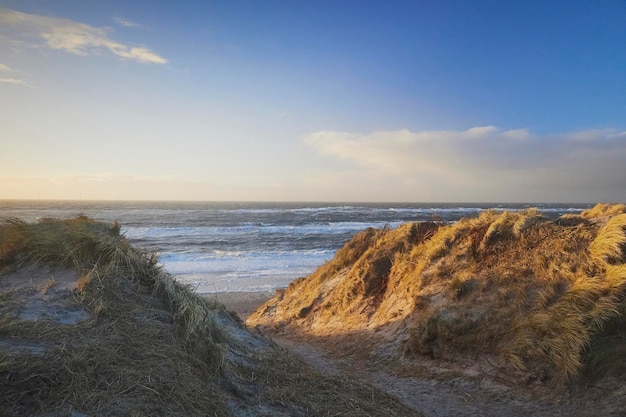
(243, 303)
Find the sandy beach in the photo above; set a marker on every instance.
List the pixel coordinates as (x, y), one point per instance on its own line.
(242, 303)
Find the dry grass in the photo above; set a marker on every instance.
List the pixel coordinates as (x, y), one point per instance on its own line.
(137, 355)
(150, 346)
(608, 247)
(546, 297)
(288, 381)
(604, 210)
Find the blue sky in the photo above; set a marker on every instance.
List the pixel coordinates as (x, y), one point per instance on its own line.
(324, 100)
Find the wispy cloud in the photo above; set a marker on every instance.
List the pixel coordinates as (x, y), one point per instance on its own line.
(74, 37)
(5, 68)
(485, 158)
(127, 23)
(16, 82)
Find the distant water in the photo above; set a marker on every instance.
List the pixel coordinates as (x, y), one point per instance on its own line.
(251, 246)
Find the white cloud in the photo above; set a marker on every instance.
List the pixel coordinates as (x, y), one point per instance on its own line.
(15, 81)
(5, 68)
(486, 159)
(74, 37)
(127, 23)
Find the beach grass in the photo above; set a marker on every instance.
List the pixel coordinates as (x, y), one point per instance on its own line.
(135, 352)
(137, 342)
(545, 298)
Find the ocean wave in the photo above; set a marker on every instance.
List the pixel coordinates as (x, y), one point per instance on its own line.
(248, 229)
(247, 246)
(244, 265)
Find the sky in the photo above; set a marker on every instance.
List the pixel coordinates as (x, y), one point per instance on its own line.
(403, 101)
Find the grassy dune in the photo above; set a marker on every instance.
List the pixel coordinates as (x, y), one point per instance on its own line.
(136, 341)
(543, 299)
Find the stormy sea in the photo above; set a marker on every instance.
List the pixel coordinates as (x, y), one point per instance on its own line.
(236, 246)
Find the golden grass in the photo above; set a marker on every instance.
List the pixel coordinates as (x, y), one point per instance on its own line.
(603, 210)
(545, 296)
(608, 247)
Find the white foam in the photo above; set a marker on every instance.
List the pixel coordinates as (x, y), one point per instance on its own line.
(203, 231)
(241, 271)
(213, 284)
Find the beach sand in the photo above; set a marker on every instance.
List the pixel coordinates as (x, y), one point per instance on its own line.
(242, 303)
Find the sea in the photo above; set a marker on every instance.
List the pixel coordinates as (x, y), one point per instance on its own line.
(246, 246)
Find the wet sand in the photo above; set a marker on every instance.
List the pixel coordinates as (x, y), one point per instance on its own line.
(242, 303)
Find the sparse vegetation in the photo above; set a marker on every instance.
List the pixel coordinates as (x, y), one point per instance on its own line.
(545, 298)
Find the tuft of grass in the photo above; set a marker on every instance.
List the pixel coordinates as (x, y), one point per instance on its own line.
(500, 229)
(609, 247)
(526, 220)
(572, 220)
(50, 283)
(603, 210)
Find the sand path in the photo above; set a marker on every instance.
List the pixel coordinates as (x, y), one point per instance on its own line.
(443, 389)
(433, 396)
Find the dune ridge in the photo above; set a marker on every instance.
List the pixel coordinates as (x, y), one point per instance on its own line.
(539, 299)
